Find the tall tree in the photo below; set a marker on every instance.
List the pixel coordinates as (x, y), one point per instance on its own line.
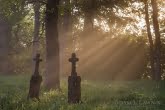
(11, 12)
(5, 38)
(88, 29)
(66, 42)
(36, 30)
(157, 40)
(151, 44)
(52, 45)
(88, 15)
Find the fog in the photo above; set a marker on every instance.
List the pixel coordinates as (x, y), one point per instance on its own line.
(105, 58)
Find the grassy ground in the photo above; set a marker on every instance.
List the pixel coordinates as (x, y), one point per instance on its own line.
(133, 95)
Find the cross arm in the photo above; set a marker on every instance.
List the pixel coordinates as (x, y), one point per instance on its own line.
(34, 1)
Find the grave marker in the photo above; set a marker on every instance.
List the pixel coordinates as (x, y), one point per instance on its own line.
(74, 82)
(36, 80)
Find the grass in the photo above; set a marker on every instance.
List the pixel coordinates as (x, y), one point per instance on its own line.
(96, 95)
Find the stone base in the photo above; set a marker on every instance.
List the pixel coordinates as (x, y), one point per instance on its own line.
(74, 89)
(34, 89)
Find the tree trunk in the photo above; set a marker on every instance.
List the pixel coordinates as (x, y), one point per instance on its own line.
(67, 25)
(66, 39)
(88, 16)
(88, 29)
(52, 45)
(152, 62)
(35, 47)
(5, 35)
(157, 41)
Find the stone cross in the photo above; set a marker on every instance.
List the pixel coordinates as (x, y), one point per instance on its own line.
(35, 81)
(73, 60)
(38, 60)
(74, 82)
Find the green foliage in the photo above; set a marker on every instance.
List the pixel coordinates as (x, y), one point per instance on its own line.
(12, 11)
(135, 95)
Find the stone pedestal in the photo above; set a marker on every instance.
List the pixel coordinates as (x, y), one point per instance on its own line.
(74, 89)
(34, 89)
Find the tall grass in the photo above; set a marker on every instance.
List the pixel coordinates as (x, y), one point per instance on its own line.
(119, 95)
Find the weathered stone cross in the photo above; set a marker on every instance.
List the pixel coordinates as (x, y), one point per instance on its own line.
(74, 82)
(38, 60)
(35, 80)
(73, 60)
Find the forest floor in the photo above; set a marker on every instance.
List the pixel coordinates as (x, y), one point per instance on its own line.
(96, 95)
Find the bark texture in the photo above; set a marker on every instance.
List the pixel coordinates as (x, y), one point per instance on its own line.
(35, 49)
(52, 45)
(157, 41)
(152, 62)
(5, 36)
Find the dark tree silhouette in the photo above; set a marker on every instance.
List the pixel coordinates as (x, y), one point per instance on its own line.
(157, 40)
(152, 62)
(36, 31)
(5, 37)
(52, 45)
